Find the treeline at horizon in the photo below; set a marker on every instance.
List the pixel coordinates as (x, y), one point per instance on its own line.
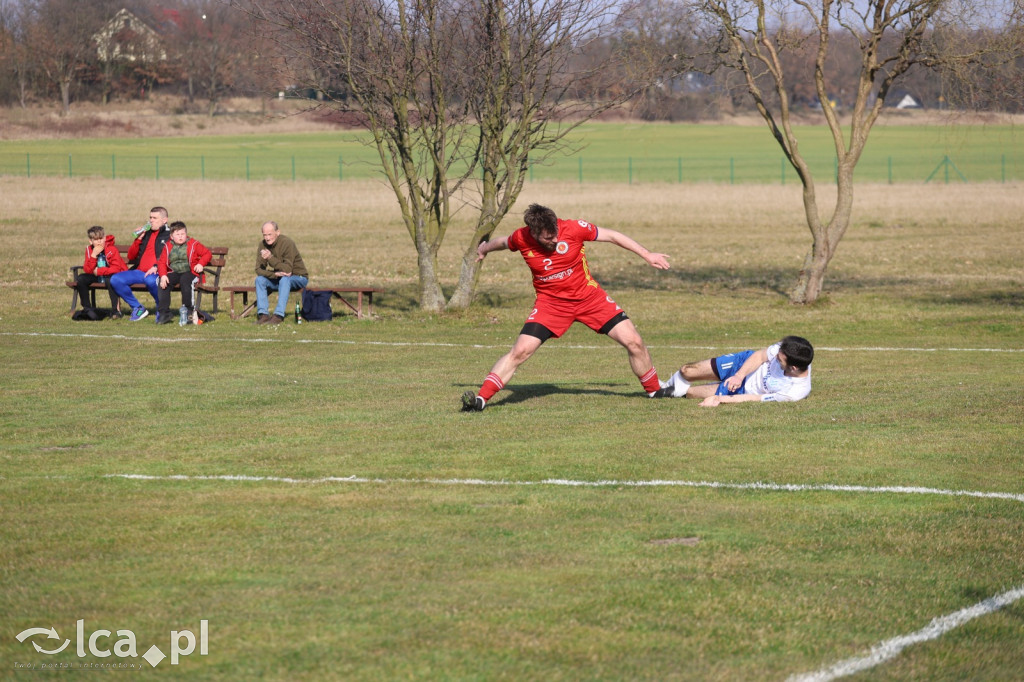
(107, 51)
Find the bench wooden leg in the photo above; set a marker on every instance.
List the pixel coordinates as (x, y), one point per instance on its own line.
(246, 306)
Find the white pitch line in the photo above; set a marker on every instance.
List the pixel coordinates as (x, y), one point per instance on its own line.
(890, 648)
(430, 344)
(879, 654)
(771, 487)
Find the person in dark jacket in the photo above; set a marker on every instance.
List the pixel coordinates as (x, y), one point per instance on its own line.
(142, 257)
(279, 268)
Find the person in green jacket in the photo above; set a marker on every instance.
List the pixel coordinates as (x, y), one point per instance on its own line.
(279, 268)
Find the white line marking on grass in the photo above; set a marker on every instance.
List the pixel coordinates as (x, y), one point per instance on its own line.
(776, 487)
(880, 653)
(429, 344)
(890, 648)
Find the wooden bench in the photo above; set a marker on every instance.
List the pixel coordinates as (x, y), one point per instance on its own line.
(210, 286)
(337, 292)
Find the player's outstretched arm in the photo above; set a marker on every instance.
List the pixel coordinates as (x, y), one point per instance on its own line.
(656, 260)
(716, 400)
(496, 244)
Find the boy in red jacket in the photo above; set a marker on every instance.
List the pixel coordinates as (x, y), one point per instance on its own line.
(182, 262)
(102, 259)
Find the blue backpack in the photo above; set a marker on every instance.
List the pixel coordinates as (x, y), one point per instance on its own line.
(316, 306)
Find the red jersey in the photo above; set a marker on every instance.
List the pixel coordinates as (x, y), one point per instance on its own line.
(564, 272)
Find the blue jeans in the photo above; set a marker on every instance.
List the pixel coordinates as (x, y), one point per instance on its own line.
(122, 282)
(282, 286)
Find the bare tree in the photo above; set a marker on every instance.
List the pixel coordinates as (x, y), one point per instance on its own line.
(460, 96)
(212, 48)
(15, 54)
(61, 35)
(892, 36)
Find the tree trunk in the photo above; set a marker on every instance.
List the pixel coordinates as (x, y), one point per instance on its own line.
(812, 276)
(469, 273)
(431, 294)
(825, 237)
(65, 96)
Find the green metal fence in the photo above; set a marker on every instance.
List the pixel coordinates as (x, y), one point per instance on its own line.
(754, 169)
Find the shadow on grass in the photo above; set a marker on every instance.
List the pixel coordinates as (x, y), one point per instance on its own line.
(520, 393)
(711, 279)
(1010, 298)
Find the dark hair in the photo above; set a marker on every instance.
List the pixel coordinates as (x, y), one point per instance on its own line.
(798, 350)
(178, 225)
(159, 209)
(540, 220)
(95, 232)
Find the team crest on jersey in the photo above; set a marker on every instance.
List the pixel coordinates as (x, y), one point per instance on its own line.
(561, 248)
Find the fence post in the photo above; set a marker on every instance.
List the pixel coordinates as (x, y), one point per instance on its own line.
(113, 166)
(28, 165)
(69, 166)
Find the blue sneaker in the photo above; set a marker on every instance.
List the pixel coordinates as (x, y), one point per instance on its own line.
(138, 314)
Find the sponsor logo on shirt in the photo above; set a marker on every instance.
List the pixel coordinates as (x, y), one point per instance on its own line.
(558, 275)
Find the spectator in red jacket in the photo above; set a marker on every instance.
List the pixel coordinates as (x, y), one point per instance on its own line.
(102, 259)
(181, 263)
(142, 257)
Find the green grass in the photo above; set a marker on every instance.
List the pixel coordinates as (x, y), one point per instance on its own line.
(402, 576)
(607, 152)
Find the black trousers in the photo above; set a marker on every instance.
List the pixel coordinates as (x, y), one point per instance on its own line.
(188, 281)
(83, 284)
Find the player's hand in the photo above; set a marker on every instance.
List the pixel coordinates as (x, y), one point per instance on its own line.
(199, 267)
(658, 260)
(163, 282)
(711, 401)
(733, 383)
(481, 252)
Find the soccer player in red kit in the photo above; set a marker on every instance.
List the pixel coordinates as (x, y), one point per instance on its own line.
(566, 293)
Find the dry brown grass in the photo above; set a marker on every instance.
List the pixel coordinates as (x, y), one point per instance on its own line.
(747, 237)
(163, 116)
(172, 116)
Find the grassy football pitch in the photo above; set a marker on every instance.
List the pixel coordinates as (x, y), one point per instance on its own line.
(627, 153)
(313, 494)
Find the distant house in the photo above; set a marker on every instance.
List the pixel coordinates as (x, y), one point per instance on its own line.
(907, 101)
(126, 37)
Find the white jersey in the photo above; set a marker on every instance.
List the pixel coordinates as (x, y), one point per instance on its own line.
(769, 381)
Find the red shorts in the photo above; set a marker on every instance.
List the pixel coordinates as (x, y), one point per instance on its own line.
(557, 315)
